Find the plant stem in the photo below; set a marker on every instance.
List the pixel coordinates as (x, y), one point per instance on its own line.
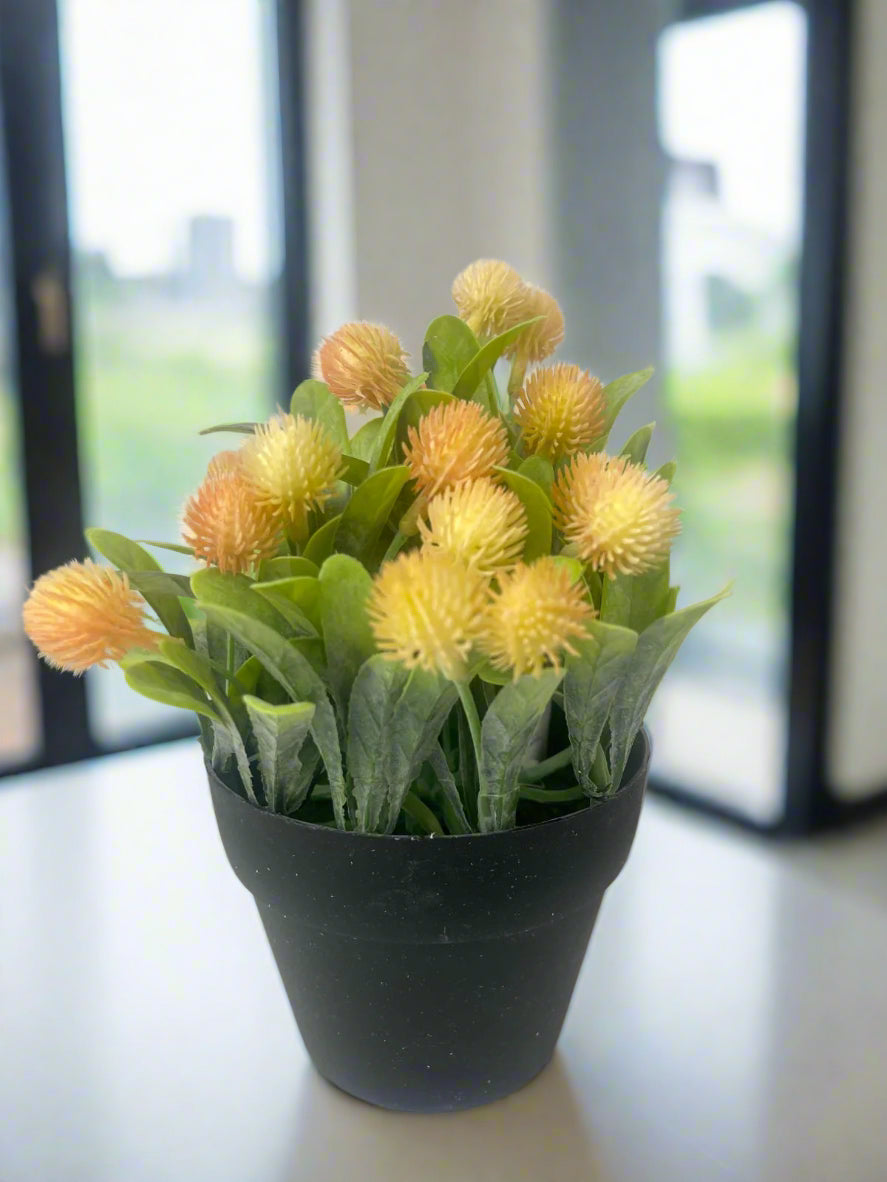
(422, 814)
(550, 795)
(229, 661)
(538, 771)
(397, 544)
(473, 719)
(600, 771)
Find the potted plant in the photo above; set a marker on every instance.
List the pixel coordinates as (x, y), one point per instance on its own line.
(420, 655)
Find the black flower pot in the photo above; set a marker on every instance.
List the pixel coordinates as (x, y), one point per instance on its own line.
(431, 974)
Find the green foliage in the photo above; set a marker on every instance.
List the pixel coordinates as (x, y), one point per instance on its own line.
(449, 347)
(363, 442)
(636, 446)
(634, 601)
(538, 510)
(366, 514)
(280, 733)
(618, 392)
(387, 433)
(344, 590)
(508, 728)
(474, 372)
(129, 556)
(313, 400)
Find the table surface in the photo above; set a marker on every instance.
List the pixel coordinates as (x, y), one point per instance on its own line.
(730, 1021)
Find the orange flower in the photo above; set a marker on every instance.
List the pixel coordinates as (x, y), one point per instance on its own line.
(560, 410)
(225, 525)
(82, 614)
(533, 616)
(454, 443)
(363, 364)
(542, 338)
(224, 462)
(617, 514)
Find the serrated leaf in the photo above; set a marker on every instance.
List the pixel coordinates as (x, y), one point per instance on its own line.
(322, 542)
(368, 510)
(507, 731)
(312, 400)
(280, 732)
(637, 444)
(345, 587)
(449, 346)
(394, 718)
(485, 358)
(656, 648)
(291, 669)
(538, 509)
(129, 556)
(387, 434)
(591, 682)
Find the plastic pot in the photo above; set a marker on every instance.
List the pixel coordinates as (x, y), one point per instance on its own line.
(431, 974)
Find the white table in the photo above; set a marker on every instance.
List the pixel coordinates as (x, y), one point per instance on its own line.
(730, 1021)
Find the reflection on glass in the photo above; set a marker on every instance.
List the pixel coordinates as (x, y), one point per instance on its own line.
(731, 95)
(19, 703)
(167, 150)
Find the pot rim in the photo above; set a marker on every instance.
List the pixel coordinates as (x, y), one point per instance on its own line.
(639, 772)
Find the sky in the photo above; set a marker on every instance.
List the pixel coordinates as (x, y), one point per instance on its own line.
(166, 115)
(731, 90)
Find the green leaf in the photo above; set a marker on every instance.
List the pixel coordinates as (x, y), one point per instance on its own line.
(301, 682)
(158, 582)
(312, 400)
(618, 392)
(161, 682)
(449, 347)
(394, 718)
(233, 428)
(671, 601)
(173, 546)
(322, 542)
(484, 359)
(507, 731)
(285, 567)
(538, 510)
(363, 441)
(345, 586)
(129, 556)
(367, 512)
(457, 821)
(635, 601)
(236, 591)
(656, 648)
(540, 471)
(636, 446)
(667, 471)
(354, 470)
(280, 733)
(297, 598)
(590, 685)
(388, 432)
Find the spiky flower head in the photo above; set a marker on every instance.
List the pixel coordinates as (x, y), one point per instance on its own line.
(425, 609)
(82, 614)
(226, 526)
(539, 340)
(489, 295)
(482, 523)
(224, 462)
(533, 617)
(616, 513)
(363, 364)
(455, 442)
(560, 410)
(292, 464)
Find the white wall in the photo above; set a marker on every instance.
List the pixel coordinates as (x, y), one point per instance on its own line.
(857, 758)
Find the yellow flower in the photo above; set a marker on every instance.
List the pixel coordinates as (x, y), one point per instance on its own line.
(454, 443)
(482, 523)
(292, 464)
(533, 616)
(225, 525)
(542, 338)
(363, 364)
(489, 296)
(83, 614)
(560, 410)
(224, 462)
(617, 514)
(425, 609)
